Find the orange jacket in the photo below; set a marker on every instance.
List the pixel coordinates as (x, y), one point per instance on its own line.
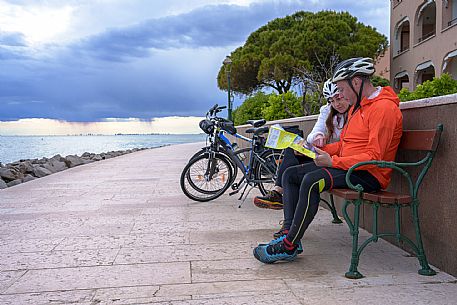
(372, 133)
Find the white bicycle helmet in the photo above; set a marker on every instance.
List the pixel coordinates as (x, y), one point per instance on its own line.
(349, 68)
(329, 90)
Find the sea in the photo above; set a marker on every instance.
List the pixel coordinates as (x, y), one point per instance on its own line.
(15, 148)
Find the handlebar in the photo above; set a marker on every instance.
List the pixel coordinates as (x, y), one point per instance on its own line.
(215, 109)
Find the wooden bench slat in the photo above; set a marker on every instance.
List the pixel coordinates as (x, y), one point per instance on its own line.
(418, 140)
(347, 194)
(387, 197)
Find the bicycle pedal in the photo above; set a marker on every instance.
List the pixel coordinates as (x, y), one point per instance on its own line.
(233, 193)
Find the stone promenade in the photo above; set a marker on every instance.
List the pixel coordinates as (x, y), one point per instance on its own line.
(120, 231)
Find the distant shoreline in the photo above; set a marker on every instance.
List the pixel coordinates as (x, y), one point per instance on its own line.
(109, 135)
(26, 170)
(14, 148)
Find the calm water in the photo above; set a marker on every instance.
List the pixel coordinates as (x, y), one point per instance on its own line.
(14, 148)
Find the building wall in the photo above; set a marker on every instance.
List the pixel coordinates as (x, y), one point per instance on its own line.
(433, 48)
(438, 193)
(382, 65)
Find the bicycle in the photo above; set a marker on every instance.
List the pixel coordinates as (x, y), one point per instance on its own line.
(213, 169)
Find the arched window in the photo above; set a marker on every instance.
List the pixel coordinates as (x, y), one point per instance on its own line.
(449, 13)
(401, 80)
(425, 25)
(450, 64)
(424, 72)
(401, 36)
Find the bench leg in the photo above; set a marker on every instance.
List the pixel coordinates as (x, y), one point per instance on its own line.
(353, 273)
(425, 270)
(336, 219)
(332, 208)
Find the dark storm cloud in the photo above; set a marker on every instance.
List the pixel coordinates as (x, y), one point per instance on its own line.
(209, 26)
(158, 67)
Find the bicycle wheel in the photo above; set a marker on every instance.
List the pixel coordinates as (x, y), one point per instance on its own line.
(205, 178)
(266, 170)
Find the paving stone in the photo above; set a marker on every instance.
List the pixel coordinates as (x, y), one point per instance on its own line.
(56, 259)
(7, 278)
(445, 294)
(120, 231)
(84, 297)
(101, 277)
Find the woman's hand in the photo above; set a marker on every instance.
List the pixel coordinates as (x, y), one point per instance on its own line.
(319, 140)
(323, 159)
(302, 143)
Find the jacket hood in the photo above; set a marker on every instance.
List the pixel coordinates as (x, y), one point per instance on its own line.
(387, 93)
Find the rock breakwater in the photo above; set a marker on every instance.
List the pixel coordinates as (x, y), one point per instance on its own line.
(30, 169)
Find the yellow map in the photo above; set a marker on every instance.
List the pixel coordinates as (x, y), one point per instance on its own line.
(278, 138)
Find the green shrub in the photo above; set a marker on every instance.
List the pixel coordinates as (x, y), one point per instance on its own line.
(251, 109)
(379, 81)
(439, 86)
(282, 106)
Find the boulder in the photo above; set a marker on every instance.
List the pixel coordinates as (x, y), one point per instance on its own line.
(25, 167)
(39, 171)
(14, 182)
(97, 157)
(28, 178)
(3, 184)
(7, 174)
(72, 161)
(54, 165)
(17, 173)
(58, 158)
(86, 155)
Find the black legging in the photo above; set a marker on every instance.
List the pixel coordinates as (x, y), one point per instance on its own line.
(289, 159)
(302, 185)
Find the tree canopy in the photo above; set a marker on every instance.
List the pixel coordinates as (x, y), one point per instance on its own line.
(296, 48)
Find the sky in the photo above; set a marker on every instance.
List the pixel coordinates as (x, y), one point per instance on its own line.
(108, 66)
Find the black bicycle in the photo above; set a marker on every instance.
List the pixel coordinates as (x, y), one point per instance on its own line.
(213, 169)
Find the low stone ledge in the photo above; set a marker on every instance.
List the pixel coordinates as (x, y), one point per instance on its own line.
(21, 171)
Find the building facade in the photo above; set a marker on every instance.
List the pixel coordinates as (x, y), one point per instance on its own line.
(382, 65)
(423, 41)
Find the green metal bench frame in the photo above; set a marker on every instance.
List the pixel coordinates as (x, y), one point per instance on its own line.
(413, 140)
(331, 206)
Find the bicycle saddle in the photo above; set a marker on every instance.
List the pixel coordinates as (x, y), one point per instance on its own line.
(257, 123)
(258, 131)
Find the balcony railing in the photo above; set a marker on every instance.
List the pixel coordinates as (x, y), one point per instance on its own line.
(403, 50)
(426, 36)
(452, 22)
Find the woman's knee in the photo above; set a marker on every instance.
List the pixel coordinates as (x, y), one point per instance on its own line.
(289, 176)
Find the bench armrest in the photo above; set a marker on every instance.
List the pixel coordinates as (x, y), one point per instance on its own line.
(398, 166)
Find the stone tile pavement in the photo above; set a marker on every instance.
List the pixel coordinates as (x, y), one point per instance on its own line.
(120, 231)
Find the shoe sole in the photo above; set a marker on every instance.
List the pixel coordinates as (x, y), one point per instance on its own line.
(267, 205)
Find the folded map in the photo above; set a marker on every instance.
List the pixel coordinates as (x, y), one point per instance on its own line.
(278, 138)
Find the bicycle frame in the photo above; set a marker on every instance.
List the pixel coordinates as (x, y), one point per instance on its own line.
(258, 170)
(254, 157)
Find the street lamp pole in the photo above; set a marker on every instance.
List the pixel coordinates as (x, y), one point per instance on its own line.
(228, 68)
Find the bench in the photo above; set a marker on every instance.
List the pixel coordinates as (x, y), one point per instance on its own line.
(411, 140)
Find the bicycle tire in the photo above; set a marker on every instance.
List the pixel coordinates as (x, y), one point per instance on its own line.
(193, 182)
(266, 172)
(243, 154)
